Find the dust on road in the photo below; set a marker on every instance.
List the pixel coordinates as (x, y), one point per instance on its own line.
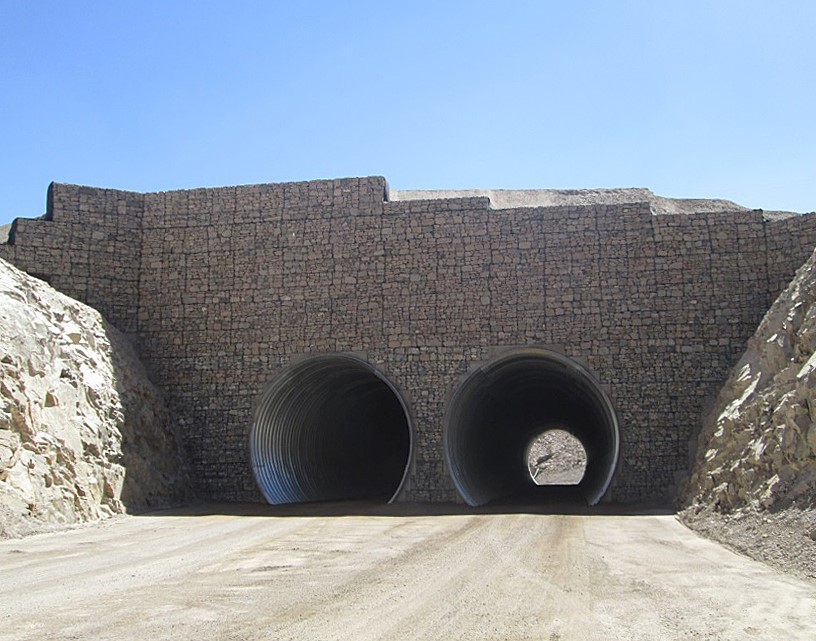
(396, 575)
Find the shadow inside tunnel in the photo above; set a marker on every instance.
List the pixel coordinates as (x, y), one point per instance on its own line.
(410, 509)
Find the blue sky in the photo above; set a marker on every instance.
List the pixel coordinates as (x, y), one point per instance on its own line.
(689, 99)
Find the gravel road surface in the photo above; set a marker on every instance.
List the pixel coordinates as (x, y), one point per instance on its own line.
(392, 573)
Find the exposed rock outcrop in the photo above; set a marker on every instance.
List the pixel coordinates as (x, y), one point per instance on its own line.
(83, 433)
(756, 454)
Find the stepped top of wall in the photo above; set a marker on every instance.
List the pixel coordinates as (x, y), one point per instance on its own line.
(366, 191)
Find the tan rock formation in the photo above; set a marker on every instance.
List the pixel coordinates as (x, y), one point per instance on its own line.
(757, 448)
(83, 433)
(753, 483)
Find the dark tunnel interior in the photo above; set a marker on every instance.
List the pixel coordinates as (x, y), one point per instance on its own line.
(330, 428)
(500, 407)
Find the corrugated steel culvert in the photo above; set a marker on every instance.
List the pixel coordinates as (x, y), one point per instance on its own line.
(330, 427)
(500, 407)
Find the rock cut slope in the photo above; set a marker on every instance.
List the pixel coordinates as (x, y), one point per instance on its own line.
(83, 432)
(753, 483)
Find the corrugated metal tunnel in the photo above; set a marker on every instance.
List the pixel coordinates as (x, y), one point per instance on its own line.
(499, 408)
(331, 427)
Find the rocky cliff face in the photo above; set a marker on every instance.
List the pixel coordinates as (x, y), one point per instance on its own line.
(83, 432)
(754, 476)
(757, 448)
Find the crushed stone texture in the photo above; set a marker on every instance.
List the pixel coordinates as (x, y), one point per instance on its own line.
(83, 433)
(753, 484)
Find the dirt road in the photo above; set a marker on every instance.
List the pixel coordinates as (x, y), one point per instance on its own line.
(391, 575)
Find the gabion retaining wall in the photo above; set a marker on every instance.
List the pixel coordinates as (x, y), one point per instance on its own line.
(222, 288)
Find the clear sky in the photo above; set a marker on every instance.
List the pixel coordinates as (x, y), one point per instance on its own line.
(690, 99)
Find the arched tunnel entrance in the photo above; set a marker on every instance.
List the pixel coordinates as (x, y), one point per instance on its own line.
(500, 408)
(331, 427)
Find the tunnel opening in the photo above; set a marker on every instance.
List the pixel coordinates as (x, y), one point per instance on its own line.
(498, 411)
(331, 427)
(556, 457)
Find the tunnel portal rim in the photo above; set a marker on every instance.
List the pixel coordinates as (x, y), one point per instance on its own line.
(298, 363)
(470, 378)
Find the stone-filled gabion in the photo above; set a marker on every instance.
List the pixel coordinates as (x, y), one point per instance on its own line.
(222, 288)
